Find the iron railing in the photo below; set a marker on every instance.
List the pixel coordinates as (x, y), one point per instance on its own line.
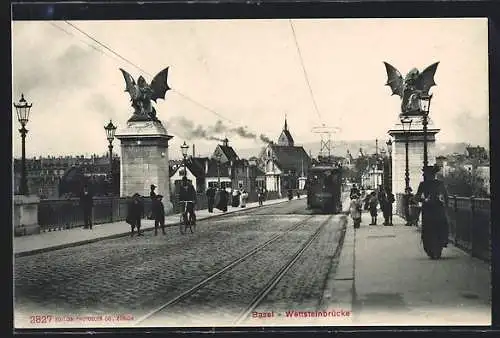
(67, 213)
(469, 220)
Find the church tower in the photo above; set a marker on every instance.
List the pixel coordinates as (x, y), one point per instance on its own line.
(285, 138)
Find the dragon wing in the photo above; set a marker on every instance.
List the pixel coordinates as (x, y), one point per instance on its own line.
(130, 85)
(159, 85)
(426, 79)
(394, 79)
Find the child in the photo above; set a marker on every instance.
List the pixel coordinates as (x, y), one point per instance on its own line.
(372, 205)
(355, 210)
(158, 211)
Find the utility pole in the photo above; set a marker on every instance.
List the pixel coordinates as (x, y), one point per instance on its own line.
(326, 140)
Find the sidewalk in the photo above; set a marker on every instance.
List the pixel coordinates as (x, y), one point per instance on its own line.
(48, 241)
(395, 283)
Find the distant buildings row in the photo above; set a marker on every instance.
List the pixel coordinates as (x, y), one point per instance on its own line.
(279, 166)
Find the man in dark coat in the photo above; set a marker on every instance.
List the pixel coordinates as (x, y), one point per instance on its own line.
(388, 208)
(210, 198)
(188, 193)
(135, 212)
(86, 203)
(354, 194)
(158, 210)
(152, 195)
(434, 196)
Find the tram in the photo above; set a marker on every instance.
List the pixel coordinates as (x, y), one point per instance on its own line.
(324, 188)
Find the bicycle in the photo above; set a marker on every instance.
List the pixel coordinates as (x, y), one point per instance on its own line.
(185, 222)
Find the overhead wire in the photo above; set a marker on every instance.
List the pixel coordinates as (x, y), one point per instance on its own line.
(186, 97)
(304, 69)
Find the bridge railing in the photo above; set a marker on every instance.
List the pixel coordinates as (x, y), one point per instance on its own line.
(469, 220)
(66, 214)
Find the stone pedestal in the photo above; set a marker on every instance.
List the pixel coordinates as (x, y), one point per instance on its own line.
(144, 160)
(26, 215)
(415, 153)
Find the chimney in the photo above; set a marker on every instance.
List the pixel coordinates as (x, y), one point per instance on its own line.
(225, 142)
(194, 153)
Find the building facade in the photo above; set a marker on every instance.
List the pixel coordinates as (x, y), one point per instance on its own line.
(285, 165)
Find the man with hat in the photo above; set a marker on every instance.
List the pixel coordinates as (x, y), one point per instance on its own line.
(152, 195)
(158, 212)
(187, 193)
(135, 212)
(434, 196)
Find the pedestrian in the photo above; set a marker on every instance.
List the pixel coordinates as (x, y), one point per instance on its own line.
(223, 200)
(382, 200)
(235, 201)
(86, 203)
(243, 198)
(434, 197)
(260, 196)
(152, 195)
(158, 210)
(355, 210)
(408, 201)
(135, 212)
(372, 206)
(388, 208)
(354, 191)
(187, 193)
(210, 199)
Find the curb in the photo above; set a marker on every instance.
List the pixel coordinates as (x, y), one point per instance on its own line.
(339, 288)
(127, 233)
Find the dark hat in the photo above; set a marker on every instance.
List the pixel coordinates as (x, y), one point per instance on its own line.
(136, 195)
(184, 178)
(159, 196)
(153, 186)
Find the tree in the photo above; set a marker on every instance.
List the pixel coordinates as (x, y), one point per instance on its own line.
(462, 182)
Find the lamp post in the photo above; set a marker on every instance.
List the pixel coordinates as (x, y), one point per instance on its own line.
(23, 112)
(218, 157)
(110, 135)
(184, 149)
(389, 176)
(406, 122)
(425, 105)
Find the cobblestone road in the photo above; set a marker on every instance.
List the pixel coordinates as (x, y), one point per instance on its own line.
(134, 275)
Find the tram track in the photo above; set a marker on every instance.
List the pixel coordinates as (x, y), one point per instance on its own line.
(211, 285)
(279, 275)
(186, 294)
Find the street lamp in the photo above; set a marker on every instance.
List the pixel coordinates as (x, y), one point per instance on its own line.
(389, 176)
(218, 157)
(383, 161)
(425, 105)
(406, 122)
(184, 149)
(23, 112)
(110, 135)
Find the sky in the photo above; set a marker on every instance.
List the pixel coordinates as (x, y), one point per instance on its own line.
(240, 77)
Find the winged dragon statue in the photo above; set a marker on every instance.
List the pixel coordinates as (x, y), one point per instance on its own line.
(412, 87)
(142, 93)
